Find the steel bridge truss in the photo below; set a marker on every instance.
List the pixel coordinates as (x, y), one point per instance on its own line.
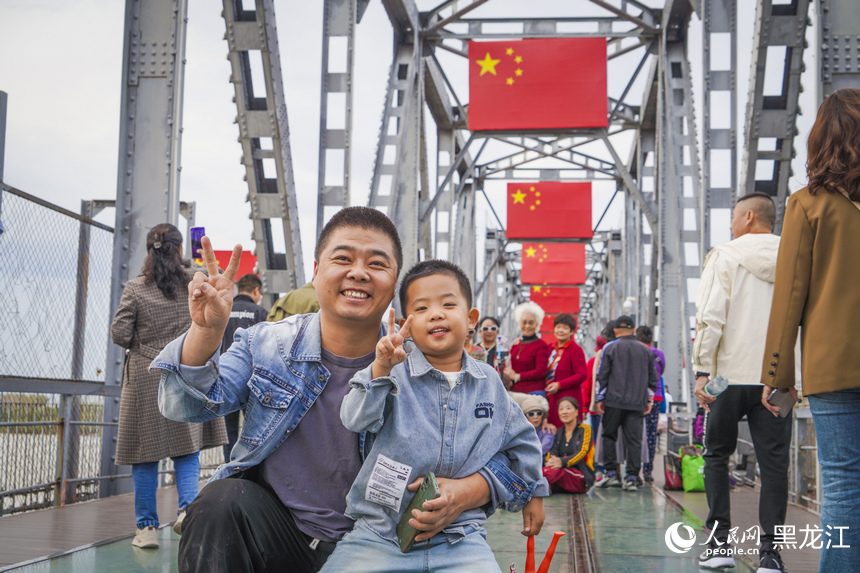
(649, 268)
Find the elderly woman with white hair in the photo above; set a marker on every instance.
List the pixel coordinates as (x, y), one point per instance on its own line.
(529, 359)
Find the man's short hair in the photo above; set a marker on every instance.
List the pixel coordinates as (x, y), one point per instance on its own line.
(493, 318)
(434, 267)
(565, 318)
(363, 218)
(763, 206)
(248, 283)
(645, 334)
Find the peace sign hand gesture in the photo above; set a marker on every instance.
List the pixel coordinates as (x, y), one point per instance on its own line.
(210, 299)
(389, 349)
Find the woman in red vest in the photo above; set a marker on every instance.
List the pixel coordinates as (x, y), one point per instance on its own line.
(566, 371)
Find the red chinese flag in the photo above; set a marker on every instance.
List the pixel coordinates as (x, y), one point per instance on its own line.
(246, 265)
(553, 264)
(547, 324)
(549, 210)
(553, 83)
(555, 300)
(548, 337)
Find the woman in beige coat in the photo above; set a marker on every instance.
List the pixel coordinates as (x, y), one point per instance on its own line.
(154, 311)
(817, 288)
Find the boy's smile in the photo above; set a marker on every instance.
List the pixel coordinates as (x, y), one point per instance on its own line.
(441, 320)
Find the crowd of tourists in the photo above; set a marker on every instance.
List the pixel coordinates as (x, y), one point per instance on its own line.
(349, 410)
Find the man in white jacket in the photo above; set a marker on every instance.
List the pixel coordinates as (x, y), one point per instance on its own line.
(733, 307)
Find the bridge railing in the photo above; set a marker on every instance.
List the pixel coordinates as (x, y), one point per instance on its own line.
(55, 273)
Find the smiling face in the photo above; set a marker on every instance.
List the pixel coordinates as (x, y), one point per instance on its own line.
(567, 412)
(528, 324)
(489, 333)
(562, 332)
(355, 276)
(441, 319)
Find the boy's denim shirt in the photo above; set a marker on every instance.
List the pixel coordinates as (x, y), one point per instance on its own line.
(274, 371)
(420, 421)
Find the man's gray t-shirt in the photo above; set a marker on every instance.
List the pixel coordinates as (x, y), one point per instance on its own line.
(313, 469)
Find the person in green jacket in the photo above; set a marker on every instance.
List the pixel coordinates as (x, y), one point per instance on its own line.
(300, 301)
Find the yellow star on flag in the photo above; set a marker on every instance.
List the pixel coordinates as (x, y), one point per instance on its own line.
(531, 251)
(509, 51)
(510, 81)
(519, 197)
(537, 289)
(488, 64)
(519, 72)
(518, 59)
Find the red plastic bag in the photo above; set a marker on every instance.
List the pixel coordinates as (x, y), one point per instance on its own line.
(672, 472)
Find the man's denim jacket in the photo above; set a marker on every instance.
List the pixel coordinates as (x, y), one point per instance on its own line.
(424, 425)
(274, 371)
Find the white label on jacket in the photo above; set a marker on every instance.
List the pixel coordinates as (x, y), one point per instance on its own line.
(387, 482)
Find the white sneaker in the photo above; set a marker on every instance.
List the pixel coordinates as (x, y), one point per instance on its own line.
(177, 526)
(716, 557)
(146, 538)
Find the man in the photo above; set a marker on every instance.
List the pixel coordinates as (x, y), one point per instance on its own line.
(246, 312)
(300, 301)
(733, 307)
(294, 459)
(626, 384)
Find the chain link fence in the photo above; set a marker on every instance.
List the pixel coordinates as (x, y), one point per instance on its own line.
(55, 277)
(55, 273)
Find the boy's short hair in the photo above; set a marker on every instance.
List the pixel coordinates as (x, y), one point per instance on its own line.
(565, 318)
(435, 267)
(248, 283)
(645, 334)
(363, 218)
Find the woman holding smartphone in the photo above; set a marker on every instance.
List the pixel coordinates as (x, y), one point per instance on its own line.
(817, 287)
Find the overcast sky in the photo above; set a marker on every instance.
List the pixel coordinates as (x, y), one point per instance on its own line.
(62, 68)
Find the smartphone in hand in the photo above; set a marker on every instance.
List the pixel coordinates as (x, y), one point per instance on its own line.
(781, 397)
(428, 490)
(196, 242)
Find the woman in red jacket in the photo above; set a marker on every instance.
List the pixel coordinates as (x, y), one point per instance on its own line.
(527, 371)
(566, 371)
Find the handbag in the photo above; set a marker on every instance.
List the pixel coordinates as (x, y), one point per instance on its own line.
(692, 468)
(672, 471)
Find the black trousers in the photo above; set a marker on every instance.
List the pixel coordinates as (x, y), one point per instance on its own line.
(237, 526)
(630, 422)
(771, 436)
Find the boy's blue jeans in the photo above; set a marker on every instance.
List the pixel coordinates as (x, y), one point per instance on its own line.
(363, 551)
(837, 425)
(145, 477)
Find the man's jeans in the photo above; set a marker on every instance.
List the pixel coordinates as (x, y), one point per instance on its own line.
(362, 551)
(771, 436)
(837, 427)
(145, 478)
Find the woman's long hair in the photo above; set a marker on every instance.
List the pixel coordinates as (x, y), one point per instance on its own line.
(164, 264)
(833, 158)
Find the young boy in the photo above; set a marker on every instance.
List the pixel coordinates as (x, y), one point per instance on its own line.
(433, 410)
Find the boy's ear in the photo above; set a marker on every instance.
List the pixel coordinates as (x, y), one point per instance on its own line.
(474, 315)
(400, 322)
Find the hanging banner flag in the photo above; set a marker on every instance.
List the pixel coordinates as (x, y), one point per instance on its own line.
(547, 83)
(555, 300)
(553, 264)
(246, 265)
(549, 210)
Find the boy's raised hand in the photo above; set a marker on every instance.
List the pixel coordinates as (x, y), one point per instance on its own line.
(389, 349)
